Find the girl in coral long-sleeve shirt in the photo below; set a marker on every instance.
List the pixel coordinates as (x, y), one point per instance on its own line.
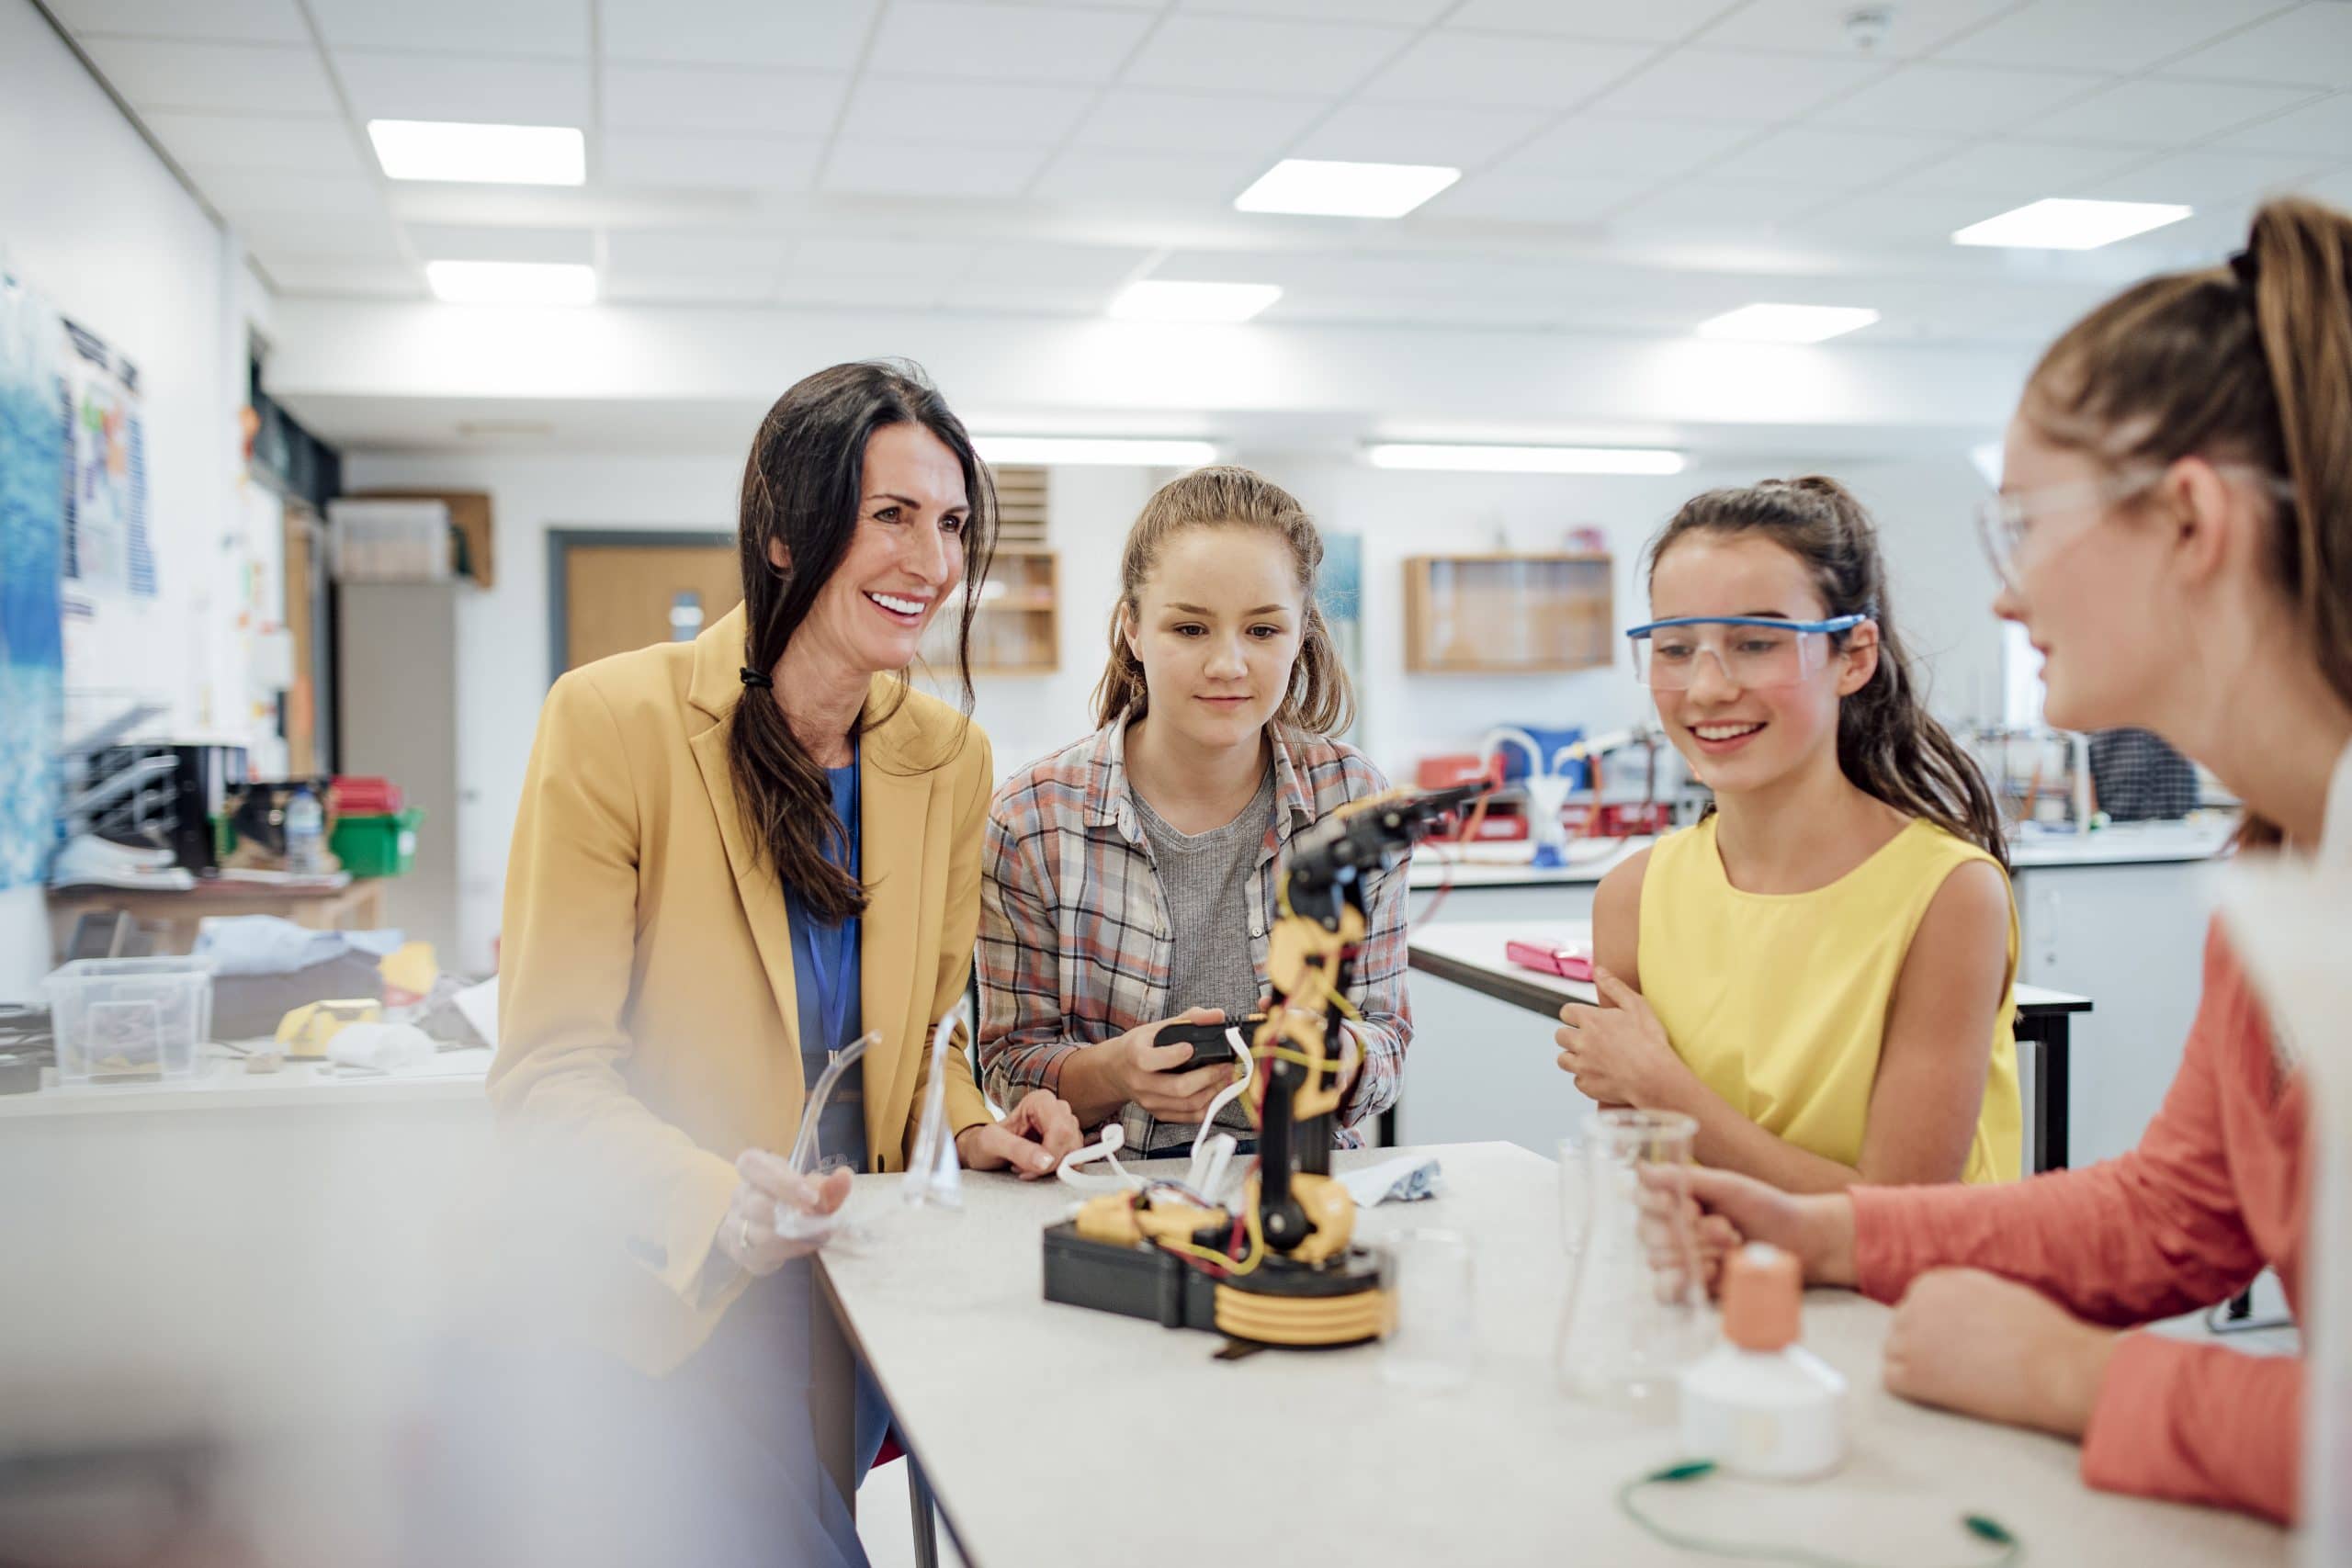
(2175, 534)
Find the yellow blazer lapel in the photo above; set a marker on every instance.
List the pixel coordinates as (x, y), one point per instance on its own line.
(714, 690)
(895, 813)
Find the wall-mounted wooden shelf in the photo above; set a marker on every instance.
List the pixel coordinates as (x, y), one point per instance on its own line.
(1508, 614)
(1017, 630)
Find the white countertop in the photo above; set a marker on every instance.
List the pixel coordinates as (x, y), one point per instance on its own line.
(1054, 1434)
(221, 1083)
(1506, 864)
(1480, 944)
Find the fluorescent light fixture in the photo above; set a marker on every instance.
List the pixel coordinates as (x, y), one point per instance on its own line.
(1787, 323)
(512, 283)
(2057, 223)
(1152, 300)
(1345, 190)
(487, 154)
(1525, 459)
(1134, 453)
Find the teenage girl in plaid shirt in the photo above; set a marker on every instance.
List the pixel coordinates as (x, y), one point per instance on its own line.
(1130, 880)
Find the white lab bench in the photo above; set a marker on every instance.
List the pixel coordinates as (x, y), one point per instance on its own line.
(2119, 919)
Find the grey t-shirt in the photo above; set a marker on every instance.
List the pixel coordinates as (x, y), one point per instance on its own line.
(1205, 878)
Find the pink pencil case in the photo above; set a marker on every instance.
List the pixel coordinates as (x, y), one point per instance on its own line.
(1567, 963)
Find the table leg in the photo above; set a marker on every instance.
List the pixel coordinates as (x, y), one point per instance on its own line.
(1388, 1136)
(2049, 1034)
(924, 1508)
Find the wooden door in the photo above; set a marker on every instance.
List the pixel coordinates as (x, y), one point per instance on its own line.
(621, 596)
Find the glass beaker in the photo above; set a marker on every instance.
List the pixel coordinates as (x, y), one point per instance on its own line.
(1637, 1313)
(1575, 1206)
(1432, 1340)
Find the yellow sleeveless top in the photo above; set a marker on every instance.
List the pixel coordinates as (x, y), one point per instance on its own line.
(1778, 1002)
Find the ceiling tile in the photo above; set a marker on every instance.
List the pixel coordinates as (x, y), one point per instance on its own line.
(1737, 89)
(1830, 158)
(240, 192)
(1651, 21)
(628, 287)
(1038, 43)
(682, 251)
(2025, 170)
(1965, 99)
(445, 86)
(1492, 68)
(2108, 36)
(550, 27)
(859, 289)
(1077, 267)
(808, 35)
(304, 144)
(937, 168)
(2204, 176)
(453, 241)
(701, 97)
(1030, 299)
(894, 259)
(1534, 199)
(1418, 133)
(1818, 27)
(971, 114)
(1897, 217)
(236, 78)
(649, 158)
(1140, 178)
(2151, 113)
(1243, 53)
(2311, 44)
(2324, 127)
(226, 21)
(1597, 146)
(1388, 13)
(1705, 205)
(281, 237)
(347, 279)
(1133, 119)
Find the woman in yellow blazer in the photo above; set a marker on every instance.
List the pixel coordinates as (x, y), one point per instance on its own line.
(732, 858)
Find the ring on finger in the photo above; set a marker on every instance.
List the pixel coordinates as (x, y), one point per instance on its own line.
(744, 1235)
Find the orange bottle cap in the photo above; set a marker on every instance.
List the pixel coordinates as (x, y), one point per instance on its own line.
(1763, 1295)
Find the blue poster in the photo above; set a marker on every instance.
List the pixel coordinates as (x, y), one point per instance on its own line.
(32, 505)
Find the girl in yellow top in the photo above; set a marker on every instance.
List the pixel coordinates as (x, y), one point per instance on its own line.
(1820, 972)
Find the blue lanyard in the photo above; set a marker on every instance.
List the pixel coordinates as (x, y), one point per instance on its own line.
(833, 991)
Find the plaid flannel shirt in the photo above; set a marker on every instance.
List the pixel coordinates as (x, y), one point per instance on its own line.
(1075, 935)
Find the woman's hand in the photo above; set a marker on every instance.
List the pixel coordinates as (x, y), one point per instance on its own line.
(748, 1234)
(1620, 1054)
(1724, 1208)
(1975, 1342)
(1032, 1140)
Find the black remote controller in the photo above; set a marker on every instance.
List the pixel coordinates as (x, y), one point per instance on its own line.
(1210, 1047)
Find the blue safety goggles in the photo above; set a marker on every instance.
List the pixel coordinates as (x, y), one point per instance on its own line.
(1754, 653)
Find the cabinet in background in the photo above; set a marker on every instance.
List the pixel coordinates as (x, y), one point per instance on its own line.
(1503, 614)
(1017, 629)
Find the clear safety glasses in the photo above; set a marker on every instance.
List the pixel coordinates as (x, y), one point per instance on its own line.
(1754, 653)
(2012, 524)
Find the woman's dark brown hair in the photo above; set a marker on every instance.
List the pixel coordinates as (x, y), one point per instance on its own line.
(1320, 701)
(2248, 363)
(1888, 744)
(803, 488)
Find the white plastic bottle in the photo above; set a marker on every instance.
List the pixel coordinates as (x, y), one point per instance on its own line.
(305, 847)
(1759, 1404)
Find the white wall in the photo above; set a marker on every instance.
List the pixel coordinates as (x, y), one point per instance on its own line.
(503, 631)
(91, 218)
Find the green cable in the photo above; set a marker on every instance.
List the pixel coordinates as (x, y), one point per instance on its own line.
(1989, 1530)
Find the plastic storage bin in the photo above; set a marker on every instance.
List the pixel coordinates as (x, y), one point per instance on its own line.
(390, 541)
(380, 845)
(128, 1019)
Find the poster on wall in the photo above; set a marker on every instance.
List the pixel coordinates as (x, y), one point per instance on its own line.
(108, 550)
(1340, 598)
(32, 491)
